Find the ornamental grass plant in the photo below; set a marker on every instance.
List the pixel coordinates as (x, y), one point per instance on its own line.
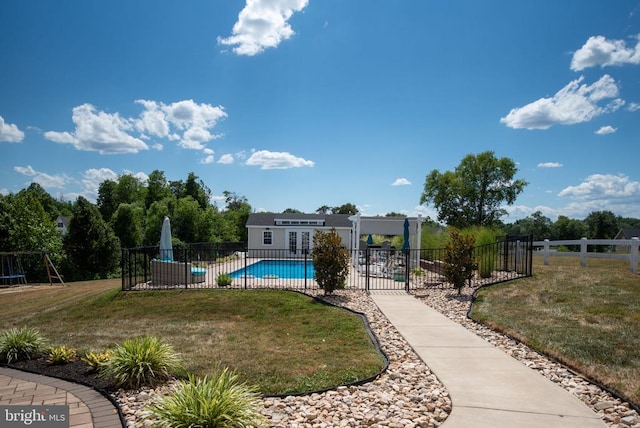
(22, 343)
(141, 361)
(219, 401)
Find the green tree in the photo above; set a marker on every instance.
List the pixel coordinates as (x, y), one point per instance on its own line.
(537, 224)
(472, 195)
(566, 228)
(330, 260)
(291, 211)
(153, 221)
(347, 208)
(126, 223)
(601, 225)
(458, 259)
(91, 246)
(197, 190)
(129, 190)
(237, 212)
(30, 228)
(52, 207)
(107, 200)
(325, 209)
(186, 220)
(157, 188)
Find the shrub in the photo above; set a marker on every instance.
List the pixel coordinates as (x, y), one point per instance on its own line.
(458, 259)
(61, 355)
(21, 344)
(219, 401)
(95, 361)
(223, 280)
(142, 361)
(330, 260)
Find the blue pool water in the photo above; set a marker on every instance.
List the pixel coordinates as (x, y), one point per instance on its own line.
(288, 269)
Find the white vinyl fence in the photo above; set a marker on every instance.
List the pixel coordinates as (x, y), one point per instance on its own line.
(625, 249)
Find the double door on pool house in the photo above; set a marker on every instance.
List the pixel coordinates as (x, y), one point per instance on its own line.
(299, 242)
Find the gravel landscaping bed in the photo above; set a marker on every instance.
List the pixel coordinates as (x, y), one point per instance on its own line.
(615, 412)
(407, 394)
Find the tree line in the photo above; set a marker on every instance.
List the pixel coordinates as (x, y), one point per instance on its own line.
(128, 213)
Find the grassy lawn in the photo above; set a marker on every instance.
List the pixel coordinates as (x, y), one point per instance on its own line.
(283, 342)
(586, 317)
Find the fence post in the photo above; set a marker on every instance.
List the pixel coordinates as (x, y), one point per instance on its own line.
(633, 254)
(366, 269)
(583, 252)
(545, 252)
(407, 266)
(245, 268)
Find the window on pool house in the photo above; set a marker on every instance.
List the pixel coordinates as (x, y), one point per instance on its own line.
(267, 237)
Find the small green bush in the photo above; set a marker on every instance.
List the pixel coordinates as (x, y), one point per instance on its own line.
(330, 261)
(21, 344)
(224, 279)
(95, 361)
(142, 361)
(458, 259)
(219, 401)
(61, 355)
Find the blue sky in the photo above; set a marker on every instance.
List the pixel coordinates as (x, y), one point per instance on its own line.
(304, 103)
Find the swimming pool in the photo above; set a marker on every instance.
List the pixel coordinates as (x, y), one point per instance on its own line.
(288, 269)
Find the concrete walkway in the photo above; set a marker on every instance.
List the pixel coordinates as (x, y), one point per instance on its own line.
(87, 407)
(488, 388)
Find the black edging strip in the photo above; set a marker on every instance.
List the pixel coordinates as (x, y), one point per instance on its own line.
(365, 320)
(372, 337)
(573, 369)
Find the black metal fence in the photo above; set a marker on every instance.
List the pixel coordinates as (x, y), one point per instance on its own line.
(232, 265)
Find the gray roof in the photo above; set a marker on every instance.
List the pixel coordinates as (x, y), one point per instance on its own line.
(330, 220)
(628, 233)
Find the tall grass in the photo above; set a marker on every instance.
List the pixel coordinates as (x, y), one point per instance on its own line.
(485, 252)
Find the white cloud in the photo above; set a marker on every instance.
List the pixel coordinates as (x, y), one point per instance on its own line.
(184, 121)
(10, 132)
(603, 186)
(401, 182)
(192, 119)
(99, 131)
(633, 106)
(144, 178)
(601, 51)
(262, 24)
(152, 119)
(277, 160)
(549, 165)
(45, 180)
(226, 159)
(92, 178)
(604, 130)
(575, 103)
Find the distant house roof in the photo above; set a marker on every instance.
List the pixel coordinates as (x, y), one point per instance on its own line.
(272, 219)
(628, 233)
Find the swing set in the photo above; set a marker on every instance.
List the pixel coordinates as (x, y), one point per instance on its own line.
(12, 272)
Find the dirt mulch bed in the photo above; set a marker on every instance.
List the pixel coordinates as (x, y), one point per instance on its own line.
(75, 371)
